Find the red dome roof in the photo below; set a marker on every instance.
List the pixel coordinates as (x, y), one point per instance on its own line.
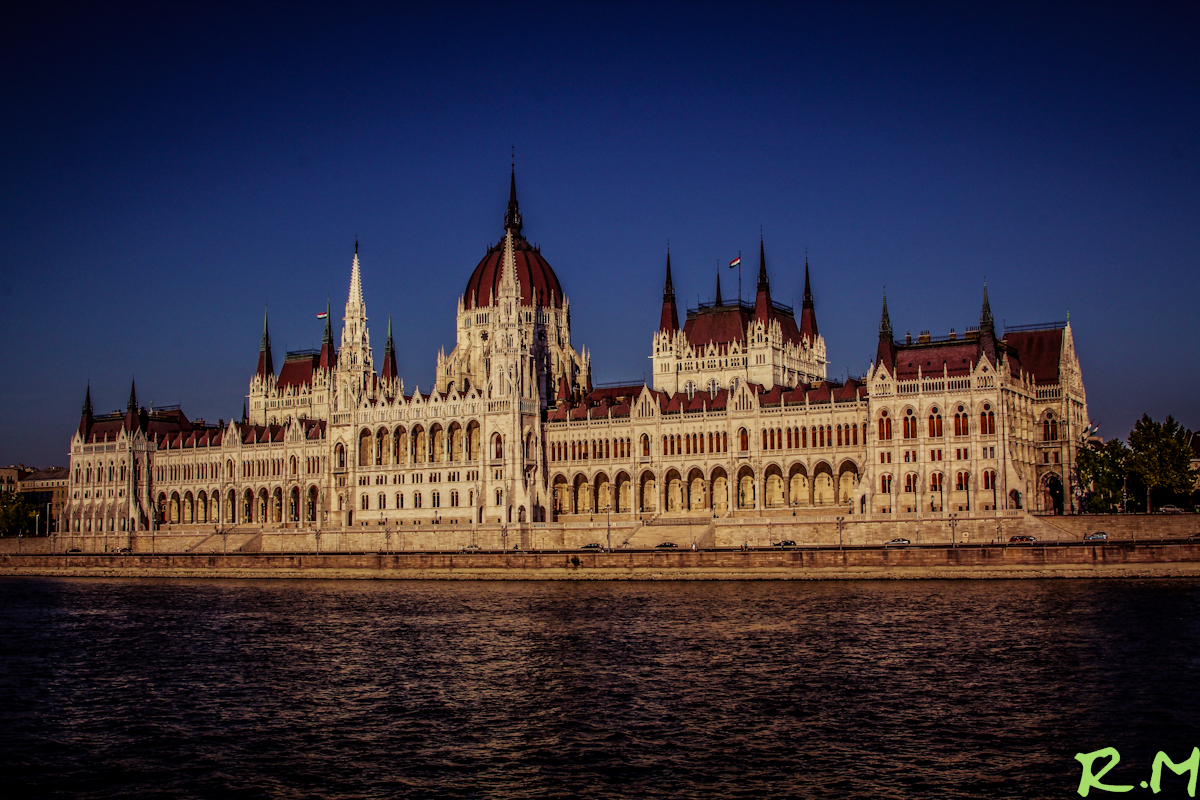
(533, 275)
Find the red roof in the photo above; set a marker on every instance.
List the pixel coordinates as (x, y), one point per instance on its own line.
(1038, 352)
(298, 370)
(533, 274)
(725, 324)
(958, 356)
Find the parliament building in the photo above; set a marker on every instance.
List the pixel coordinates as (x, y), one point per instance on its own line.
(740, 420)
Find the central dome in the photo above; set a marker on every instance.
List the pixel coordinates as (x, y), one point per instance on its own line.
(534, 275)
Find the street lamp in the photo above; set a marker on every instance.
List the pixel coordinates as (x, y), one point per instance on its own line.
(953, 525)
(608, 525)
(841, 523)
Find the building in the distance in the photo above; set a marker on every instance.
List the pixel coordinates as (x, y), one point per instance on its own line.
(740, 419)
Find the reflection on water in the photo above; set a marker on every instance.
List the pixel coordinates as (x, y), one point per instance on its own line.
(113, 688)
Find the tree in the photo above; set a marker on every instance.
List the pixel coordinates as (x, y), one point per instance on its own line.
(1102, 471)
(1161, 456)
(17, 516)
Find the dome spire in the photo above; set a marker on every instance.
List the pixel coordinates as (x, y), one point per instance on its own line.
(718, 300)
(512, 218)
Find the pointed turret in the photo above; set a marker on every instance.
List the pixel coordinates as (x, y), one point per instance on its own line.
(265, 365)
(85, 419)
(328, 351)
(390, 373)
(987, 329)
(885, 355)
(356, 294)
(512, 217)
(762, 300)
(669, 320)
(808, 311)
(131, 408)
(718, 302)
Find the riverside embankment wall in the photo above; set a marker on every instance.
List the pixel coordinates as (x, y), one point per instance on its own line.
(754, 531)
(1018, 561)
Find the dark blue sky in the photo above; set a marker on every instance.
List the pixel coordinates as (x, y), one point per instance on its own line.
(166, 173)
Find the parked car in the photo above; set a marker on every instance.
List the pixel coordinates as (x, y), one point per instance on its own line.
(897, 543)
(471, 548)
(666, 544)
(1022, 539)
(1098, 536)
(592, 546)
(1170, 510)
(785, 543)
(74, 550)
(124, 551)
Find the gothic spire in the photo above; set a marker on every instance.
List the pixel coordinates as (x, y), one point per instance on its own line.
(986, 323)
(512, 217)
(885, 354)
(85, 419)
(763, 283)
(389, 356)
(356, 295)
(669, 319)
(808, 311)
(265, 365)
(762, 301)
(987, 329)
(718, 300)
(132, 406)
(327, 338)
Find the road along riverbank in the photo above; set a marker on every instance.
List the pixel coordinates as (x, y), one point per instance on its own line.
(1113, 559)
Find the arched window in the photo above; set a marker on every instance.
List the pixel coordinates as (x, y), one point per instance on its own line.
(885, 484)
(498, 445)
(935, 422)
(399, 500)
(839, 435)
(885, 425)
(454, 498)
(910, 425)
(910, 483)
(962, 482)
(365, 502)
(645, 446)
(382, 501)
(935, 482)
(764, 433)
(339, 456)
(987, 421)
(435, 499)
(962, 422)
(743, 439)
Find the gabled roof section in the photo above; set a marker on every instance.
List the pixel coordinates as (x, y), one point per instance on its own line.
(298, 369)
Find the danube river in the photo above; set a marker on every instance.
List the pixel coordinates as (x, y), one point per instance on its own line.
(297, 689)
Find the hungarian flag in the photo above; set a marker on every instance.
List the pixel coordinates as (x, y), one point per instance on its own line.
(323, 315)
(736, 262)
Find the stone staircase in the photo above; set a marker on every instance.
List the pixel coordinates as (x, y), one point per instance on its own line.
(682, 531)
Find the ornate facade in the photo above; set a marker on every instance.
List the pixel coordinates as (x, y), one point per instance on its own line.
(740, 419)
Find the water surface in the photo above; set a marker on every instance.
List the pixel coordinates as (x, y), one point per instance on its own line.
(232, 689)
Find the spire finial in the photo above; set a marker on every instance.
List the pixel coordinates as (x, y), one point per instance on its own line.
(265, 344)
(987, 325)
(132, 406)
(718, 300)
(87, 401)
(327, 338)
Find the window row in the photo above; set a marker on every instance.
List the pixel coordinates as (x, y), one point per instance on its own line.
(962, 423)
(962, 482)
